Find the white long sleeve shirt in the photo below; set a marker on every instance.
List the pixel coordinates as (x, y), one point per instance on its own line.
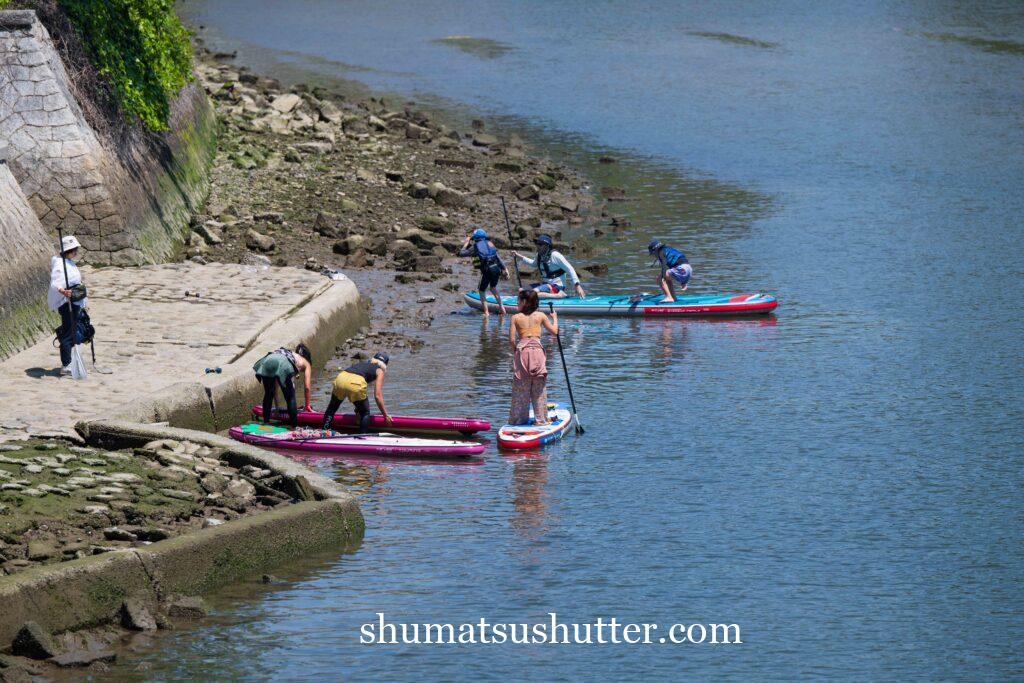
(54, 298)
(557, 262)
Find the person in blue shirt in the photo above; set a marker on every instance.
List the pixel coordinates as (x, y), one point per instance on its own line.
(491, 266)
(674, 266)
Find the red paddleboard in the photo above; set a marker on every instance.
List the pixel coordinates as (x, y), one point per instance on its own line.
(399, 423)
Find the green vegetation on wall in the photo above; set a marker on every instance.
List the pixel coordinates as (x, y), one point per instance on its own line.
(141, 46)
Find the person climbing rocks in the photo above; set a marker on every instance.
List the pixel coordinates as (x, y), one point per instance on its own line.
(353, 384)
(554, 269)
(529, 362)
(279, 369)
(492, 269)
(674, 267)
(65, 293)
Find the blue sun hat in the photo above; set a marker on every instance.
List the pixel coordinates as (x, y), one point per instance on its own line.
(654, 246)
(382, 357)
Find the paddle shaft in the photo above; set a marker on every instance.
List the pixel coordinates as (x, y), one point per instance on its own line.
(565, 369)
(511, 244)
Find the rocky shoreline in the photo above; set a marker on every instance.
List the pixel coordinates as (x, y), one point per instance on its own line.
(307, 178)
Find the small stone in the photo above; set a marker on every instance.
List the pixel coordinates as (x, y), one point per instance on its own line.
(34, 493)
(34, 469)
(61, 471)
(94, 510)
(11, 486)
(212, 522)
(484, 140)
(47, 447)
(41, 550)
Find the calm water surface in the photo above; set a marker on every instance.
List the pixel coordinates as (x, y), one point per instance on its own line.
(843, 481)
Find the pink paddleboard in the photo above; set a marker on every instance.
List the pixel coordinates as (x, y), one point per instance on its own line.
(318, 441)
(400, 423)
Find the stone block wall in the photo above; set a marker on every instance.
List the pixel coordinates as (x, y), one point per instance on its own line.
(127, 195)
(24, 269)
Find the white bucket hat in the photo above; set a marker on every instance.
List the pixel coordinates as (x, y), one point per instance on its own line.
(68, 243)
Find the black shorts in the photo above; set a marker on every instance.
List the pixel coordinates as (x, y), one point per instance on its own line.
(489, 278)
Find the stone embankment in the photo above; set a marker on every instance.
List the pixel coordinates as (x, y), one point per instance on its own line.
(160, 327)
(126, 194)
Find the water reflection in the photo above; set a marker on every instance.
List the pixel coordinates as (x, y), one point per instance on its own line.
(529, 494)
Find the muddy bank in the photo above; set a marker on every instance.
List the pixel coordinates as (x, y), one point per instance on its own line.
(308, 178)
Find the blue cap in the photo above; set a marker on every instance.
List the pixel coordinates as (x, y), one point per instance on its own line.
(479, 234)
(544, 239)
(382, 357)
(654, 246)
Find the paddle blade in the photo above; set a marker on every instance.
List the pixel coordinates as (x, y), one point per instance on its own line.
(77, 364)
(579, 426)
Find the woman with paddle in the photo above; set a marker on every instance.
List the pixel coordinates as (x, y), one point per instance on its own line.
(529, 362)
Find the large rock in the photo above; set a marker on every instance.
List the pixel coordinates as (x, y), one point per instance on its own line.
(210, 232)
(349, 245)
(259, 242)
(404, 252)
(186, 607)
(329, 112)
(325, 224)
(135, 616)
(34, 642)
(418, 191)
(528, 192)
(421, 238)
(414, 132)
(544, 181)
(449, 198)
(436, 224)
(285, 103)
(239, 488)
(484, 140)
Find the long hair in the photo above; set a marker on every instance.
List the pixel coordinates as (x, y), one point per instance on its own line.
(303, 351)
(528, 301)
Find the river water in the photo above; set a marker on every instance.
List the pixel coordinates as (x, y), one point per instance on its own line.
(842, 480)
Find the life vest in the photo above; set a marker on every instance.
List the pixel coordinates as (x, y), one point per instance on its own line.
(487, 256)
(673, 257)
(544, 266)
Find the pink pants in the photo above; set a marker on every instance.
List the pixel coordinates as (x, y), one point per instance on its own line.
(529, 383)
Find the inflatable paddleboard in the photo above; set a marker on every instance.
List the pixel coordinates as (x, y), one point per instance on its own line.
(330, 442)
(650, 305)
(399, 423)
(518, 437)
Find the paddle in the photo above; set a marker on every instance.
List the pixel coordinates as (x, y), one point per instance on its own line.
(77, 364)
(511, 243)
(565, 369)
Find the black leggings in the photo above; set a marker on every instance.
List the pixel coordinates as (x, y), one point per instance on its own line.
(270, 385)
(362, 410)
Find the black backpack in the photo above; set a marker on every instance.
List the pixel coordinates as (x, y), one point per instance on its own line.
(84, 332)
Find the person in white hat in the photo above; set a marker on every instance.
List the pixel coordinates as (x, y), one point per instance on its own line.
(63, 295)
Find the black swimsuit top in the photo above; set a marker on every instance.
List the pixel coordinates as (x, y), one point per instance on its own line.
(365, 369)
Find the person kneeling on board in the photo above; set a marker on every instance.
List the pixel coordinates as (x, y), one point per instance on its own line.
(352, 384)
(554, 268)
(529, 362)
(279, 368)
(491, 267)
(674, 266)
